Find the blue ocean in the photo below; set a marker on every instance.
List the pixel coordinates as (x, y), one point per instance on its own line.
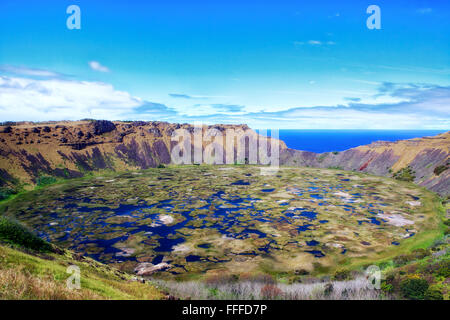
(339, 140)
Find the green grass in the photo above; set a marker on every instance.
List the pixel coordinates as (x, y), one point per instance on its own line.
(422, 240)
(31, 268)
(33, 276)
(14, 233)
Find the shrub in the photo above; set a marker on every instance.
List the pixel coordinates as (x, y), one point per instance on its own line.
(5, 193)
(259, 278)
(301, 272)
(405, 174)
(322, 157)
(385, 264)
(443, 269)
(220, 279)
(328, 289)
(439, 169)
(387, 287)
(414, 287)
(433, 294)
(270, 291)
(391, 282)
(402, 259)
(213, 292)
(420, 253)
(14, 233)
(161, 166)
(341, 275)
(437, 244)
(45, 180)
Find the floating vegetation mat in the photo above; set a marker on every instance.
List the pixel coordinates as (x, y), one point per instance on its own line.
(189, 220)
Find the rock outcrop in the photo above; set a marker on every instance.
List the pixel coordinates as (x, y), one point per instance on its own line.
(147, 269)
(72, 149)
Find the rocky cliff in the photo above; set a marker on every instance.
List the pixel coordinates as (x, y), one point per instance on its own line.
(30, 151)
(422, 160)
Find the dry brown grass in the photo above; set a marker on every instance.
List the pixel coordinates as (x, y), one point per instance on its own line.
(19, 284)
(136, 289)
(29, 277)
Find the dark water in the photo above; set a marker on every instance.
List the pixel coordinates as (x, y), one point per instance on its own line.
(168, 235)
(339, 140)
(85, 226)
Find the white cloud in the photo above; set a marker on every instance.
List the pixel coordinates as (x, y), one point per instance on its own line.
(95, 65)
(416, 107)
(314, 43)
(29, 71)
(56, 99)
(399, 106)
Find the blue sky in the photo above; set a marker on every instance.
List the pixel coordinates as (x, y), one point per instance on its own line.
(271, 64)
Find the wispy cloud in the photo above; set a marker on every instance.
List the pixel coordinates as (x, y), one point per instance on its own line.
(373, 83)
(154, 111)
(181, 96)
(314, 43)
(421, 106)
(205, 110)
(187, 96)
(415, 69)
(95, 65)
(228, 107)
(424, 10)
(352, 99)
(32, 72)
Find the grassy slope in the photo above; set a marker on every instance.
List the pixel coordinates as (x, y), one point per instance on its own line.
(431, 264)
(31, 275)
(423, 239)
(31, 268)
